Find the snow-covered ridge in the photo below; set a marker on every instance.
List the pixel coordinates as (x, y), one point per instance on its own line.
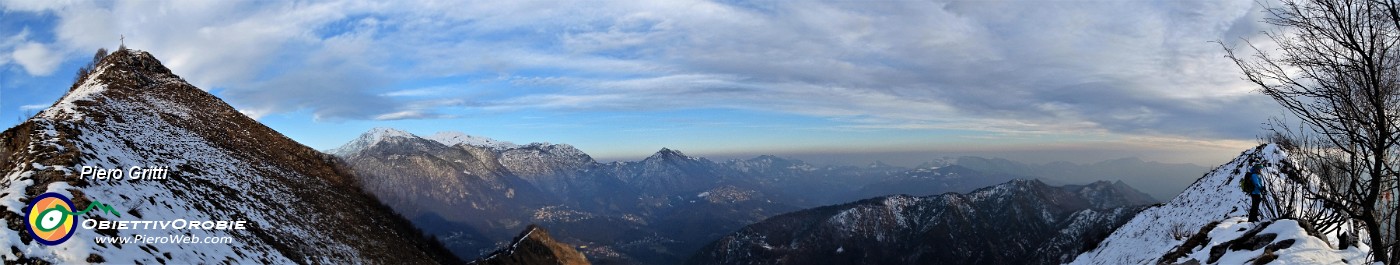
(451, 138)
(448, 138)
(85, 91)
(1212, 197)
(369, 139)
(1215, 197)
(380, 133)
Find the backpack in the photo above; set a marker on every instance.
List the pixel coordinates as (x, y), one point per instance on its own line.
(1247, 183)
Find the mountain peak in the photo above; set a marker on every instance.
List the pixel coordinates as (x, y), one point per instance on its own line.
(369, 139)
(1119, 183)
(1109, 194)
(667, 153)
(879, 164)
(122, 74)
(137, 60)
(381, 132)
(452, 138)
(135, 68)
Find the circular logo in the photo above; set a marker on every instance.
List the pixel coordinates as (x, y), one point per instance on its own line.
(50, 219)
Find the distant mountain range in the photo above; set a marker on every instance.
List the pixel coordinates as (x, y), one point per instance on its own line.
(472, 191)
(1018, 222)
(1161, 180)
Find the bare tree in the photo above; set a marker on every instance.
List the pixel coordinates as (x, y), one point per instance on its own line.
(91, 65)
(1337, 73)
(101, 53)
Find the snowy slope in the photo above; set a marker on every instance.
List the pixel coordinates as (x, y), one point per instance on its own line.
(131, 111)
(1213, 199)
(1237, 241)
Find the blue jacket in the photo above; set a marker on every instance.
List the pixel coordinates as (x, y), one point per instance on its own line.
(1257, 181)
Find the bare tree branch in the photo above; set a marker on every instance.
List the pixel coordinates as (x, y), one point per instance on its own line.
(1338, 72)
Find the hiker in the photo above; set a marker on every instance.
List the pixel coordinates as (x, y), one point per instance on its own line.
(1253, 184)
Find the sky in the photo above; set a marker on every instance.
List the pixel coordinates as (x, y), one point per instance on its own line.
(1038, 81)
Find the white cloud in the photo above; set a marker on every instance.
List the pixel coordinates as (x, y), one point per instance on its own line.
(410, 114)
(407, 114)
(35, 6)
(33, 107)
(37, 59)
(422, 92)
(85, 28)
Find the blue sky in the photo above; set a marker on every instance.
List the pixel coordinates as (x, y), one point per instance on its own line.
(621, 79)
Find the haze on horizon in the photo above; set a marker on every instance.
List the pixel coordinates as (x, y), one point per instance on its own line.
(1036, 81)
